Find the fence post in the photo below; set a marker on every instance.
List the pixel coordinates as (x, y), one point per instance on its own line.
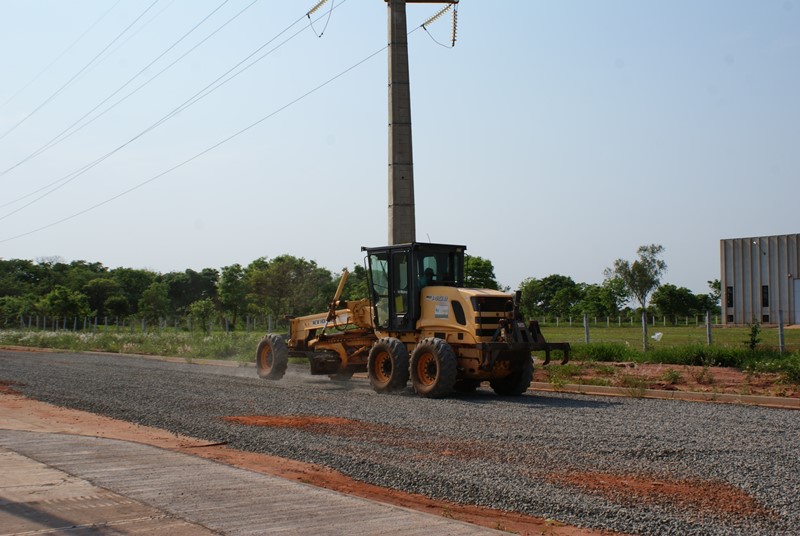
(226, 326)
(144, 325)
(557, 320)
(586, 328)
(781, 342)
(708, 327)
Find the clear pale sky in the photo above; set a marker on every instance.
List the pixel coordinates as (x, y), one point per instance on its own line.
(554, 138)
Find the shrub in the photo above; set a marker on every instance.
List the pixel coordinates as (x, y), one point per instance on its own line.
(672, 377)
(605, 351)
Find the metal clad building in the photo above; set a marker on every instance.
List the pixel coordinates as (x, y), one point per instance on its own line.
(760, 279)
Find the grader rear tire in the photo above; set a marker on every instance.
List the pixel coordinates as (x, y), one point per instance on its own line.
(515, 383)
(272, 357)
(387, 365)
(433, 368)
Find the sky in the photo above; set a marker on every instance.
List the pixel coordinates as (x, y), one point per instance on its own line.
(554, 138)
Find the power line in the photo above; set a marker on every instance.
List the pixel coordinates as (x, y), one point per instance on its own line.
(122, 43)
(64, 134)
(63, 53)
(201, 153)
(207, 90)
(68, 82)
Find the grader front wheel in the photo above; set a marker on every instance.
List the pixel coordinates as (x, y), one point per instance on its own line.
(388, 365)
(433, 368)
(272, 357)
(515, 383)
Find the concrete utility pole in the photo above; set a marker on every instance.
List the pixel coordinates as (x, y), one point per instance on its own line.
(402, 219)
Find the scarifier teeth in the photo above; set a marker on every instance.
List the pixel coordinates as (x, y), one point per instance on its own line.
(315, 8)
(438, 15)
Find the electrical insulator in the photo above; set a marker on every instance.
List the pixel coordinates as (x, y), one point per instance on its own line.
(439, 14)
(455, 25)
(315, 8)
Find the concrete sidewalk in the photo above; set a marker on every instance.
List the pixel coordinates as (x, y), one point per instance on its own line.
(68, 484)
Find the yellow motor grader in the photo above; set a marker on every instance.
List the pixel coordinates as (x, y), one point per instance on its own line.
(420, 323)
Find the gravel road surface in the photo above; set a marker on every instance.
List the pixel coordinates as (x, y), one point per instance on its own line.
(631, 465)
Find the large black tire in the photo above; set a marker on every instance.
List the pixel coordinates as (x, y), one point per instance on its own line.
(433, 368)
(272, 357)
(515, 383)
(388, 365)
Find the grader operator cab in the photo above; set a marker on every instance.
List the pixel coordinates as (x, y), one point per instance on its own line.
(420, 323)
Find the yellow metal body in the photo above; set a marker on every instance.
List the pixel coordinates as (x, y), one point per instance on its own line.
(347, 332)
(463, 332)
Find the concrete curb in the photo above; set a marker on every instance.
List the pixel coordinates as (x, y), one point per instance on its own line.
(725, 398)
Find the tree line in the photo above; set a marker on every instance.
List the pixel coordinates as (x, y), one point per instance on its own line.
(291, 286)
(278, 287)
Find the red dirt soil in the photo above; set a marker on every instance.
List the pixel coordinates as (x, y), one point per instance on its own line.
(676, 378)
(705, 497)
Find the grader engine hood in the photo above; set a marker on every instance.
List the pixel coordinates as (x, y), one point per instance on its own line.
(477, 313)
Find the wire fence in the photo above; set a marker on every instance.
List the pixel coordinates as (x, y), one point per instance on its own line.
(131, 324)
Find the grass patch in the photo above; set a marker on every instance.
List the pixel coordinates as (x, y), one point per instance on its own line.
(233, 346)
(673, 377)
(634, 385)
(604, 351)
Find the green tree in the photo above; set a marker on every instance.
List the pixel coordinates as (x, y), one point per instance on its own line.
(674, 301)
(62, 302)
(710, 302)
(133, 283)
(539, 295)
(604, 300)
(117, 305)
(154, 303)
(357, 286)
(202, 311)
(99, 290)
(20, 277)
(289, 286)
(641, 277)
(232, 291)
(12, 308)
(190, 286)
(479, 273)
